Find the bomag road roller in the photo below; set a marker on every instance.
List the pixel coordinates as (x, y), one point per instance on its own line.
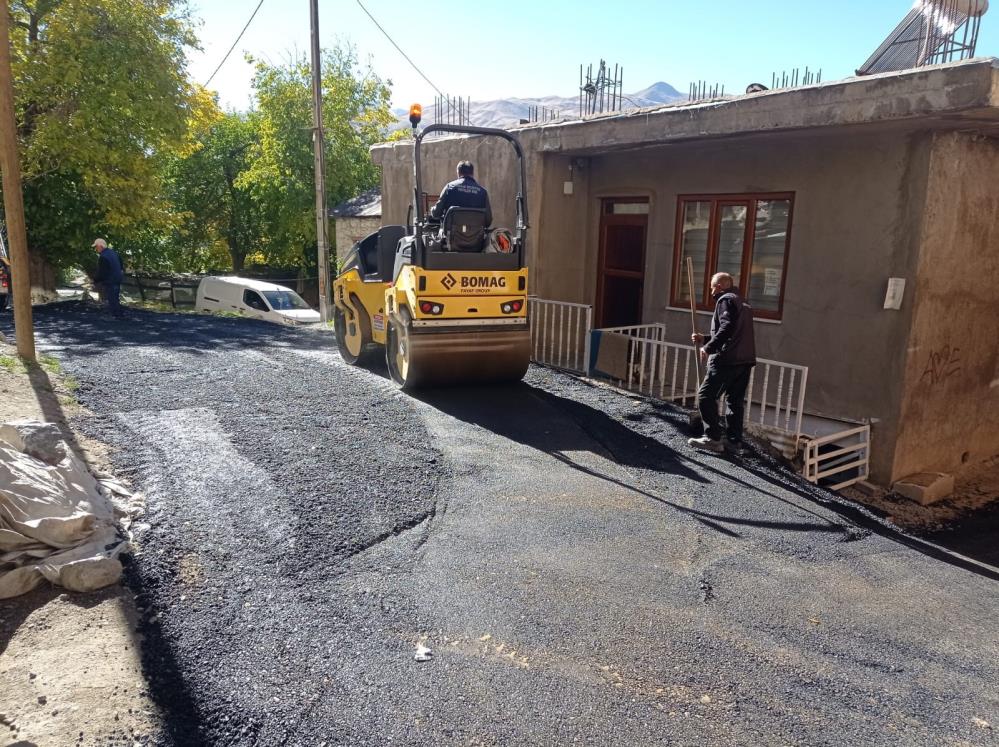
(447, 301)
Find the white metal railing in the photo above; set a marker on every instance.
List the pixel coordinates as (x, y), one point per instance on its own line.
(663, 370)
(656, 331)
(775, 397)
(560, 333)
(846, 453)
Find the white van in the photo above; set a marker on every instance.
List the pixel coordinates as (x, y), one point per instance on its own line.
(255, 299)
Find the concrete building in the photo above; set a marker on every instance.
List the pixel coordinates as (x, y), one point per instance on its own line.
(356, 218)
(818, 199)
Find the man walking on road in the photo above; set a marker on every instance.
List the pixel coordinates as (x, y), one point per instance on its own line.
(730, 353)
(109, 276)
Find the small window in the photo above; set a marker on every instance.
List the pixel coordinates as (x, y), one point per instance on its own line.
(746, 236)
(254, 301)
(613, 207)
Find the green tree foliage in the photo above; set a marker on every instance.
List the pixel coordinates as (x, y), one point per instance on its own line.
(103, 99)
(116, 140)
(280, 177)
(207, 189)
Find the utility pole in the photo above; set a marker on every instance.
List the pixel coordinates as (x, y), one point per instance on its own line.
(13, 200)
(322, 221)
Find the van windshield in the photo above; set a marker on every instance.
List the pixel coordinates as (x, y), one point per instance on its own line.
(285, 300)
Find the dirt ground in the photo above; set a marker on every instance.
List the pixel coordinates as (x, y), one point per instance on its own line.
(975, 489)
(70, 671)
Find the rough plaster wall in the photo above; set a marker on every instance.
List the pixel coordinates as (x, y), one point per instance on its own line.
(351, 230)
(951, 404)
(565, 262)
(396, 164)
(495, 169)
(856, 223)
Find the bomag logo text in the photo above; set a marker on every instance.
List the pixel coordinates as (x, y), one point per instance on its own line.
(482, 282)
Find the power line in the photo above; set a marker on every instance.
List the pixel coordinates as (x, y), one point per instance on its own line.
(422, 74)
(252, 16)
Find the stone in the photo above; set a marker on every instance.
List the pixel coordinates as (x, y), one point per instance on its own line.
(43, 441)
(925, 487)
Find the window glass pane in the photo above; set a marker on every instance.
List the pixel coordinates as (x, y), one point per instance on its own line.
(285, 300)
(732, 240)
(766, 273)
(694, 244)
(629, 208)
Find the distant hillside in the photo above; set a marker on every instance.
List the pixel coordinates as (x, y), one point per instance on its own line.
(509, 112)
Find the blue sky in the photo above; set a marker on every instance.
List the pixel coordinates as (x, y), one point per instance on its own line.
(516, 48)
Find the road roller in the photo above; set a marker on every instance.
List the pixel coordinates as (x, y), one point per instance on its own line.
(444, 301)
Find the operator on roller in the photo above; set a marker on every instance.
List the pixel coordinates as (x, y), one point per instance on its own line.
(463, 192)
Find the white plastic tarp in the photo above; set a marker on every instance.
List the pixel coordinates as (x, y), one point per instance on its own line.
(57, 521)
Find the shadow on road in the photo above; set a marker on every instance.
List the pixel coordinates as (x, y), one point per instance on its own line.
(92, 331)
(560, 427)
(182, 720)
(974, 549)
(976, 536)
(555, 425)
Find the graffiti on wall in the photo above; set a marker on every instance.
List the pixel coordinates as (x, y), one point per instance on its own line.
(942, 364)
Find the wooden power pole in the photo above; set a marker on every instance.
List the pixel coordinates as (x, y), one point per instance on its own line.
(13, 200)
(322, 220)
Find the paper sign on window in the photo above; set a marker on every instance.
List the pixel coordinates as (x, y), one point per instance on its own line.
(771, 282)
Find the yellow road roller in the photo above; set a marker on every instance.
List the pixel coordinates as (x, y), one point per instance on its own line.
(445, 302)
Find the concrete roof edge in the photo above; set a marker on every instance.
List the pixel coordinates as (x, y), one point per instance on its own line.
(948, 88)
(907, 95)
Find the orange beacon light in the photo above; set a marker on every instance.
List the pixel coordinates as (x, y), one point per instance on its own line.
(415, 114)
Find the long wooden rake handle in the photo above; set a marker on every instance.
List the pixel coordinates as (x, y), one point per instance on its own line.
(693, 317)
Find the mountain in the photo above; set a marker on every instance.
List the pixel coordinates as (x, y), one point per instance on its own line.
(509, 112)
(658, 93)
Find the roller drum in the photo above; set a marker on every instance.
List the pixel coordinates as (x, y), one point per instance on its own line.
(427, 359)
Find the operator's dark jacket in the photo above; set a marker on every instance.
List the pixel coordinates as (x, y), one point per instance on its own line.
(463, 192)
(731, 342)
(109, 268)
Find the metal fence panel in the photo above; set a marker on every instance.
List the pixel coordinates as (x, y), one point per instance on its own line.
(843, 454)
(560, 333)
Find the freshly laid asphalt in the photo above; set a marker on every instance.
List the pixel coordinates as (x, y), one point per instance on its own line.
(577, 572)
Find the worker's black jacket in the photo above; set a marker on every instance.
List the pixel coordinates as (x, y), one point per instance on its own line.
(109, 268)
(464, 192)
(731, 342)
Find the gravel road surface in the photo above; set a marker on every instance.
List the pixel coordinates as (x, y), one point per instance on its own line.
(579, 575)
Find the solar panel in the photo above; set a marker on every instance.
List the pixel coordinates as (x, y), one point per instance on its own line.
(933, 31)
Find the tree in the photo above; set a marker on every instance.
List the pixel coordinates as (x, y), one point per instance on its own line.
(103, 100)
(207, 189)
(356, 114)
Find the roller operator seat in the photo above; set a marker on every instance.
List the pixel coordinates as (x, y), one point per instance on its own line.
(464, 229)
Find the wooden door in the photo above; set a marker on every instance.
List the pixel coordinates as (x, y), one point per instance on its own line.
(624, 226)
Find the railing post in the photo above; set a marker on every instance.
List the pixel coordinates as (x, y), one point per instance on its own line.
(801, 403)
